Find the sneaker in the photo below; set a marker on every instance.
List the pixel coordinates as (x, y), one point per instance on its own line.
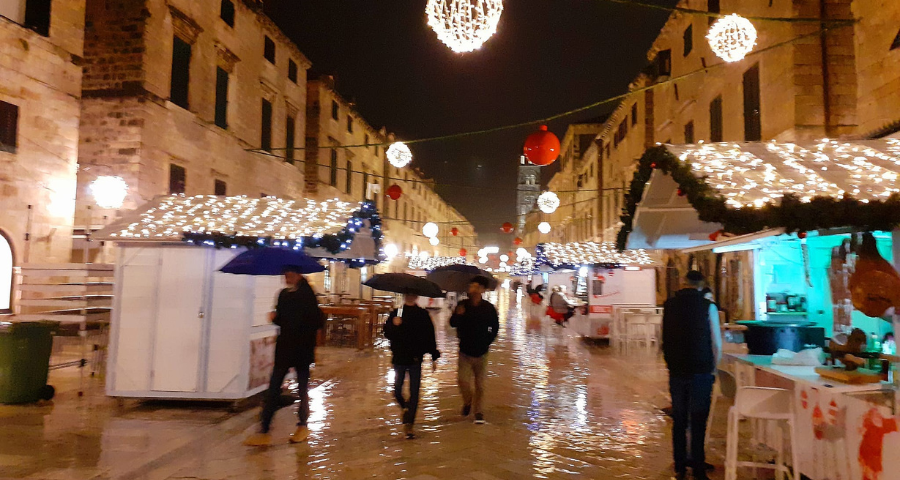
(479, 419)
(300, 435)
(466, 410)
(258, 440)
(408, 430)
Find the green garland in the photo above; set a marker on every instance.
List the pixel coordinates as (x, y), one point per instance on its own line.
(791, 214)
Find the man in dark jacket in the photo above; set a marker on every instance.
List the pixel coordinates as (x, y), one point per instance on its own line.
(412, 336)
(692, 348)
(298, 315)
(476, 323)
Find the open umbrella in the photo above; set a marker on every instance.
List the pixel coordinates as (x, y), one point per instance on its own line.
(456, 278)
(271, 261)
(404, 283)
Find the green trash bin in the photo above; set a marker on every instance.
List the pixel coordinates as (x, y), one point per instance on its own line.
(25, 361)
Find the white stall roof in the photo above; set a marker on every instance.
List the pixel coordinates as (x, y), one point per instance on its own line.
(754, 174)
(590, 253)
(417, 262)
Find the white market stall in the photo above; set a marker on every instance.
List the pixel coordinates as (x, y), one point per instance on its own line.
(182, 329)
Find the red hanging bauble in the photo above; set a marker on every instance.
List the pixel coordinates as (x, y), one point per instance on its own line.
(463, 252)
(394, 192)
(517, 241)
(680, 192)
(653, 165)
(801, 235)
(454, 231)
(541, 147)
(507, 227)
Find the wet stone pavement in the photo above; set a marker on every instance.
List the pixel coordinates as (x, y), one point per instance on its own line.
(556, 407)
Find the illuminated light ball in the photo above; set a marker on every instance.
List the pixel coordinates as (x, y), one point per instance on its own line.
(430, 230)
(548, 202)
(463, 252)
(394, 192)
(109, 192)
(541, 147)
(732, 37)
(517, 241)
(464, 25)
(434, 241)
(391, 250)
(399, 154)
(504, 258)
(423, 255)
(544, 227)
(454, 231)
(507, 227)
(522, 253)
(482, 260)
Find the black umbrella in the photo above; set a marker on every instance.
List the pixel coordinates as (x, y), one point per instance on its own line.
(456, 278)
(271, 261)
(404, 283)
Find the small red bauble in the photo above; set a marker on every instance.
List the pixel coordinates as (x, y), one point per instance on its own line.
(394, 192)
(653, 165)
(463, 252)
(507, 227)
(454, 231)
(680, 192)
(541, 147)
(517, 241)
(801, 235)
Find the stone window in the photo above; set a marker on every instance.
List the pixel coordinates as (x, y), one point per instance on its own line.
(365, 185)
(712, 6)
(292, 71)
(221, 188)
(634, 115)
(269, 50)
(349, 124)
(227, 12)
(37, 16)
(289, 132)
(265, 142)
(689, 132)
(752, 120)
(335, 110)
(6, 274)
(715, 120)
(688, 40)
(334, 163)
(366, 138)
(9, 126)
(177, 179)
(896, 44)
(349, 180)
(181, 72)
(664, 63)
(221, 98)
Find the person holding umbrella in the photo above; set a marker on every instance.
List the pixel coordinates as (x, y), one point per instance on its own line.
(411, 333)
(476, 323)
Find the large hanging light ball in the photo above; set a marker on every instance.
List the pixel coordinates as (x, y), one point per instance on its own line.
(541, 147)
(548, 202)
(434, 241)
(732, 37)
(430, 230)
(544, 227)
(394, 192)
(464, 25)
(507, 227)
(399, 154)
(109, 192)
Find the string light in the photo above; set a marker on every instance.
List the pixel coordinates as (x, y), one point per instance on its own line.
(430, 230)
(464, 25)
(109, 192)
(548, 202)
(417, 263)
(544, 228)
(732, 37)
(590, 253)
(399, 154)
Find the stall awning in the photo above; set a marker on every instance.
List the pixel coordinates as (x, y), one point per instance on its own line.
(684, 194)
(560, 256)
(325, 229)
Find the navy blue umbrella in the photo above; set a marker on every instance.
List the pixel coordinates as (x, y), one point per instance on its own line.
(271, 261)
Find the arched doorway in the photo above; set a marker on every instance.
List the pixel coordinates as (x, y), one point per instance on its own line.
(6, 274)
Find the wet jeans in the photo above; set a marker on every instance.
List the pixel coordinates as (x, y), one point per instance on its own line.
(415, 379)
(472, 370)
(691, 397)
(273, 394)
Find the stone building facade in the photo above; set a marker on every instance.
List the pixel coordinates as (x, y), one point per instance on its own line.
(189, 96)
(41, 47)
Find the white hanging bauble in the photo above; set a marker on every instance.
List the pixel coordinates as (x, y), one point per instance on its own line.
(399, 154)
(544, 228)
(464, 25)
(548, 202)
(732, 37)
(430, 230)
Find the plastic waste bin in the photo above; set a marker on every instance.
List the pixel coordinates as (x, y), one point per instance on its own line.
(25, 361)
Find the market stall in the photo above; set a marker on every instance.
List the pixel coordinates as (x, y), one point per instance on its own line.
(183, 329)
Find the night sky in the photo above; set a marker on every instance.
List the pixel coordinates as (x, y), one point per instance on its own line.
(548, 56)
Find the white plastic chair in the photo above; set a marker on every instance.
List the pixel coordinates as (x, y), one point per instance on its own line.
(725, 387)
(772, 405)
(639, 331)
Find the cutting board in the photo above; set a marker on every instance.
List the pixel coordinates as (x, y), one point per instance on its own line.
(856, 377)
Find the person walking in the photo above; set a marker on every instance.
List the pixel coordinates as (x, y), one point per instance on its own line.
(560, 309)
(299, 316)
(411, 334)
(476, 323)
(692, 347)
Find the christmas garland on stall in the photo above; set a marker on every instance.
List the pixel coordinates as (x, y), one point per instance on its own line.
(791, 214)
(334, 243)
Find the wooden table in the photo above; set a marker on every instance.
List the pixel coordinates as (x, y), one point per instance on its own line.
(362, 314)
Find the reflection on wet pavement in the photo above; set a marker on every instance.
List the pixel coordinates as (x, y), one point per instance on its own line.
(556, 407)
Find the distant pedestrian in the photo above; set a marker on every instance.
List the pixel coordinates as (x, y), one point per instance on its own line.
(692, 349)
(476, 323)
(299, 316)
(560, 309)
(412, 336)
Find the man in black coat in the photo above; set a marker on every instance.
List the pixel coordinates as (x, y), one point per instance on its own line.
(412, 336)
(692, 348)
(298, 315)
(477, 324)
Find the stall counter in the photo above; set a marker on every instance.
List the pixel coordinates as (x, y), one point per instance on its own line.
(844, 432)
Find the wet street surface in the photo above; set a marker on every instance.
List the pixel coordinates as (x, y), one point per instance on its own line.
(556, 407)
